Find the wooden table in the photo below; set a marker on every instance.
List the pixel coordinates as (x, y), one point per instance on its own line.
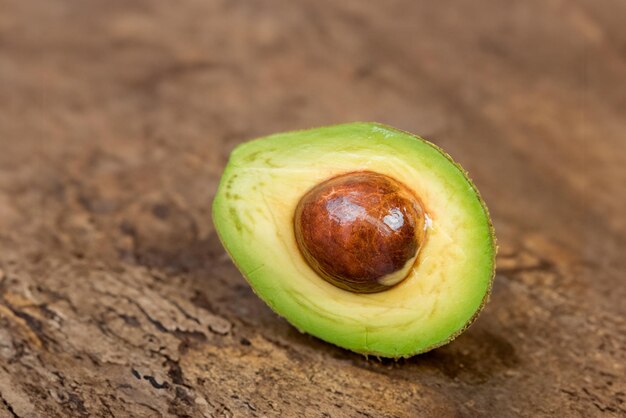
(116, 120)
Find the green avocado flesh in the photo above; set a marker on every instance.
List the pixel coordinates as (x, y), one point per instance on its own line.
(446, 288)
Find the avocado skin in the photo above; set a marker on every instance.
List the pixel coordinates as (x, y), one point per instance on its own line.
(233, 226)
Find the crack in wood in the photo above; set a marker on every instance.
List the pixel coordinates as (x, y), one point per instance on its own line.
(154, 382)
(9, 407)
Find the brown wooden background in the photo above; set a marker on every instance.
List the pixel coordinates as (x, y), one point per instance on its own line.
(117, 117)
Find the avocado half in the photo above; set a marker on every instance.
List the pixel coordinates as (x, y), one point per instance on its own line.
(448, 285)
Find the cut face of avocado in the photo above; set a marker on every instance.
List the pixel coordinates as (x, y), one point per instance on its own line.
(444, 289)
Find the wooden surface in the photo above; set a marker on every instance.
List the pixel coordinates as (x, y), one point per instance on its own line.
(116, 119)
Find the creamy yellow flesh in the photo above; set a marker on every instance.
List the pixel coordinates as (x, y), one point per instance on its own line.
(253, 213)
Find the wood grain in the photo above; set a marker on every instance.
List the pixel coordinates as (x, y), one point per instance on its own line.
(116, 119)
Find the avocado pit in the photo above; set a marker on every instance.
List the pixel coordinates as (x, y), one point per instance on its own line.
(360, 231)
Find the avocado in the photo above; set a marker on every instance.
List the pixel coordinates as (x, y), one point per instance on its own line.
(360, 234)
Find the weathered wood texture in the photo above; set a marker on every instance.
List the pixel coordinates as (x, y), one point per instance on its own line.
(117, 117)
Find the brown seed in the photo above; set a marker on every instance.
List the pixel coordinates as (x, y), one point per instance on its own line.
(360, 231)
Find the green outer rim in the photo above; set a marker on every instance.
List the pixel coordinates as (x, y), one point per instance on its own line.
(465, 174)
